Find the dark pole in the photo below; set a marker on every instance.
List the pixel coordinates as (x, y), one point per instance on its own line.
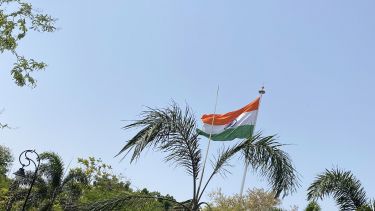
(26, 164)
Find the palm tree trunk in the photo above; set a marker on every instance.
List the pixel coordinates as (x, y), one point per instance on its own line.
(50, 203)
(194, 190)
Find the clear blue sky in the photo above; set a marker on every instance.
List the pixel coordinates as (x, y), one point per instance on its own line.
(109, 59)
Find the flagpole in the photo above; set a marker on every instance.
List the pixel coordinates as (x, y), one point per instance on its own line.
(209, 142)
(261, 93)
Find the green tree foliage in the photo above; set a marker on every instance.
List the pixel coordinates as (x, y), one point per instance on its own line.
(50, 183)
(17, 18)
(108, 191)
(103, 183)
(313, 206)
(6, 160)
(91, 186)
(4, 187)
(173, 131)
(345, 188)
(139, 200)
(255, 200)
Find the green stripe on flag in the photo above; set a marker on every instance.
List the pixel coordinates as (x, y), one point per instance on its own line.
(243, 131)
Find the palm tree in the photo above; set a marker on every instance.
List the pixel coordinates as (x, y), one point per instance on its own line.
(50, 183)
(172, 130)
(345, 188)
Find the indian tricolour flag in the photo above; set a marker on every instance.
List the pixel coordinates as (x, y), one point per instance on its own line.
(235, 124)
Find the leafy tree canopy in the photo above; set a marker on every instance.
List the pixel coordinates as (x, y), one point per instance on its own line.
(255, 199)
(313, 206)
(108, 191)
(6, 159)
(103, 184)
(91, 186)
(17, 18)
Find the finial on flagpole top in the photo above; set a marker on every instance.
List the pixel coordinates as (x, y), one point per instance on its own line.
(262, 91)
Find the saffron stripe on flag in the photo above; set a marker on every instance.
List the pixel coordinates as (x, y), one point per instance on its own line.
(223, 119)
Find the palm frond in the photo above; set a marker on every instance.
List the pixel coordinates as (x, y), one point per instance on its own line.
(342, 185)
(265, 156)
(221, 163)
(170, 130)
(53, 168)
